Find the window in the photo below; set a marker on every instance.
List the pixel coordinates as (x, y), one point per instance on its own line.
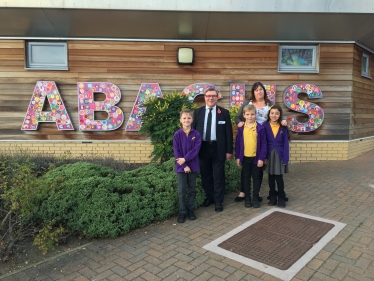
(47, 55)
(298, 59)
(365, 66)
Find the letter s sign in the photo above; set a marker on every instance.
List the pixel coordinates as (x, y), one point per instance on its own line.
(315, 113)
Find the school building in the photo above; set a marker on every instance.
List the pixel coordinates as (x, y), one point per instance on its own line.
(73, 74)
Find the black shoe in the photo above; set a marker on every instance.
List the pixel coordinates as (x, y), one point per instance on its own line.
(181, 218)
(191, 215)
(281, 202)
(285, 197)
(239, 199)
(256, 202)
(248, 203)
(259, 199)
(207, 202)
(219, 207)
(272, 201)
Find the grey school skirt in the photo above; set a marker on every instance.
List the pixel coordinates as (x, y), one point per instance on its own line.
(275, 165)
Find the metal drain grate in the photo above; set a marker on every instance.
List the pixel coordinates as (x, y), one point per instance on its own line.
(277, 240)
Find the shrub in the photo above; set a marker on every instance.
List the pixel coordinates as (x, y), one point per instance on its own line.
(233, 112)
(232, 174)
(18, 188)
(162, 181)
(92, 200)
(161, 120)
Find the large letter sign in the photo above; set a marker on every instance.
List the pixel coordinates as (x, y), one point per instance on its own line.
(194, 90)
(315, 113)
(34, 113)
(237, 94)
(146, 91)
(87, 106)
(150, 90)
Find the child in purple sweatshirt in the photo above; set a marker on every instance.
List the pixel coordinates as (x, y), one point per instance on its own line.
(186, 143)
(278, 155)
(250, 153)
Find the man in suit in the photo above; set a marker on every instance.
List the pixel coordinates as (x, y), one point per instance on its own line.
(214, 125)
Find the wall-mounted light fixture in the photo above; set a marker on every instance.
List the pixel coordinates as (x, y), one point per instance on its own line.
(185, 56)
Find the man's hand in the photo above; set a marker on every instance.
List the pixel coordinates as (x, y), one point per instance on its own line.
(228, 155)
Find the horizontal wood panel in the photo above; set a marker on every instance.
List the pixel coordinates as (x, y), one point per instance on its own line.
(128, 64)
(115, 46)
(362, 98)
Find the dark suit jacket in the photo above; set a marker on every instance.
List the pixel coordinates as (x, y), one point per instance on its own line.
(223, 129)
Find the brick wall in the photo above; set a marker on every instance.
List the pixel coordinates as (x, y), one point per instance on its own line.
(318, 151)
(129, 151)
(360, 146)
(139, 151)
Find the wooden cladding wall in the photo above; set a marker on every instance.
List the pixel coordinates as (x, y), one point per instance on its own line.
(362, 121)
(128, 64)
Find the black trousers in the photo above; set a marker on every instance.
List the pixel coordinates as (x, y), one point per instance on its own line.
(250, 170)
(212, 172)
(186, 191)
(242, 179)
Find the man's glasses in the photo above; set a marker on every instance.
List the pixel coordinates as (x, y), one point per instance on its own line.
(210, 96)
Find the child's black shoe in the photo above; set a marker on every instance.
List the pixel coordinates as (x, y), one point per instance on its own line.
(272, 201)
(191, 215)
(248, 203)
(281, 202)
(256, 202)
(181, 218)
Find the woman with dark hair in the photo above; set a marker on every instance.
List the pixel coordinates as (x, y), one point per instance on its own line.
(260, 100)
(262, 103)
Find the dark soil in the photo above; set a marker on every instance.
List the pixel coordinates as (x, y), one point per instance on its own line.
(27, 254)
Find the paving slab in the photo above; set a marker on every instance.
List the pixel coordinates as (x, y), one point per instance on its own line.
(341, 191)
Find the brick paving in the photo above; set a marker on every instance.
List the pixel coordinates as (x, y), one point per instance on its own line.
(335, 190)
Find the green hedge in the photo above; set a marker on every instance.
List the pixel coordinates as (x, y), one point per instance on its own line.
(96, 201)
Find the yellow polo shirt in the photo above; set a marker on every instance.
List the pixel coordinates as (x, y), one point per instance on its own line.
(250, 140)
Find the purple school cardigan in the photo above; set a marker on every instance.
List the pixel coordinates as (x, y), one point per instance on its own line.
(261, 144)
(280, 142)
(187, 147)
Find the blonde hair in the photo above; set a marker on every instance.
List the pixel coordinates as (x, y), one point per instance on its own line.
(249, 107)
(186, 111)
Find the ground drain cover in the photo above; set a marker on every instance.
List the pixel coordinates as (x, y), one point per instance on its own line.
(277, 240)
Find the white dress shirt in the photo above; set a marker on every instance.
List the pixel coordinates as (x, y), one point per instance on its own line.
(213, 136)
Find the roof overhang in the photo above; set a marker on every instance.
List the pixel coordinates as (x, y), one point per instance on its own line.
(223, 21)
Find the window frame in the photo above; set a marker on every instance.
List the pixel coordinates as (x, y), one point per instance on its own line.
(29, 65)
(314, 68)
(365, 73)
